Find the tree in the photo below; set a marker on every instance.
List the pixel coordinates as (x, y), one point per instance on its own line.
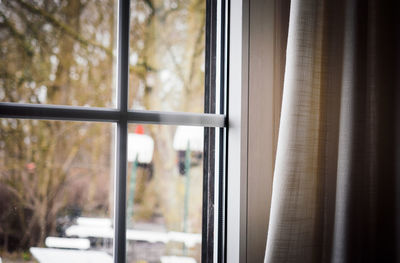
(167, 41)
(61, 52)
(57, 52)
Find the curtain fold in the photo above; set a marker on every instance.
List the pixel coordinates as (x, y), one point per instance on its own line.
(336, 189)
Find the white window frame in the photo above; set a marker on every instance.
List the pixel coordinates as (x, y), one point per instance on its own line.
(236, 238)
(256, 54)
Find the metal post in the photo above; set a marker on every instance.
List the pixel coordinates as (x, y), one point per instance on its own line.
(132, 186)
(187, 188)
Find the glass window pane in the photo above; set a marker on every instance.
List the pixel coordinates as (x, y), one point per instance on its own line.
(57, 52)
(167, 46)
(164, 193)
(56, 190)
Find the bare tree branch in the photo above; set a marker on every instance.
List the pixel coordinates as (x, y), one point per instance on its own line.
(63, 27)
(20, 37)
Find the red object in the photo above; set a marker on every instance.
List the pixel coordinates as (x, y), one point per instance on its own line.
(139, 129)
(30, 166)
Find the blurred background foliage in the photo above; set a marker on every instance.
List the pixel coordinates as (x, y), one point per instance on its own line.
(63, 52)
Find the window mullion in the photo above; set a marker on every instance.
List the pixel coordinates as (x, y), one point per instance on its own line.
(209, 134)
(120, 194)
(122, 132)
(223, 133)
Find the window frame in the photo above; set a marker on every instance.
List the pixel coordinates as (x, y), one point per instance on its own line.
(237, 142)
(214, 116)
(257, 50)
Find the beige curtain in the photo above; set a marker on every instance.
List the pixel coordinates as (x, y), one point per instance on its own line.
(337, 173)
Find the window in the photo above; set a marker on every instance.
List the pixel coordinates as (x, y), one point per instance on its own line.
(132, 171)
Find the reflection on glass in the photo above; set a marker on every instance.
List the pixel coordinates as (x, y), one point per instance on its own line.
(167, 45)
(57, 52)
(55, 191)
(164, 193)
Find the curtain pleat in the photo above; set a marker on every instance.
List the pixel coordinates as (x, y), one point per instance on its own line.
(336, 180)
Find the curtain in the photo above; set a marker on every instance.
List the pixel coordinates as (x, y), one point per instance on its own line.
(336, 187)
